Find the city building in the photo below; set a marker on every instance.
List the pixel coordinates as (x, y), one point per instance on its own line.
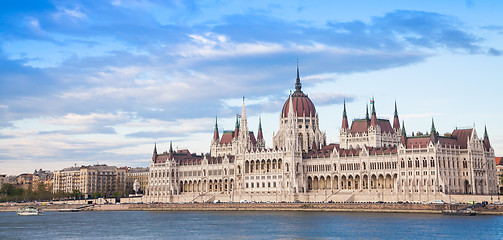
(499, 171)
(4, 179)
(138, 174)
(102, 179)
(43, 176)
(376, 160)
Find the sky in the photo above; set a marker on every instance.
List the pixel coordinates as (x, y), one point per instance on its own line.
(100, 82)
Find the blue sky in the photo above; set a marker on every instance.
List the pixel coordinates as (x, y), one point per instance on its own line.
(85, 82)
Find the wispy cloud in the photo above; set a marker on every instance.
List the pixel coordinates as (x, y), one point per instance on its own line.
(131, 71)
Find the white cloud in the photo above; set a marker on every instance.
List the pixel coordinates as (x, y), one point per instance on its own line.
(215, 45)
(78, 119)
(75, 13)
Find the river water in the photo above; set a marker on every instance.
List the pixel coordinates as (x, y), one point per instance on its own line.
(247, 225)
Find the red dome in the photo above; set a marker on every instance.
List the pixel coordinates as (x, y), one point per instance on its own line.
(302, 105)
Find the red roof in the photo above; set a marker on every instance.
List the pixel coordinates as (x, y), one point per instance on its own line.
(324, 152)
(448, 141)
(182, 157)
(302, 105)
(459, 138)
(462, 136)
(418, 142)
(361, 126)
(498, 160)
(252, 138)
(227, 137)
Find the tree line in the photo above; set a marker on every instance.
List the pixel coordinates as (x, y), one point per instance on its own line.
(12, 193)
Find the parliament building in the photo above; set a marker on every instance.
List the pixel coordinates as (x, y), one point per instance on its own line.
(375, 161)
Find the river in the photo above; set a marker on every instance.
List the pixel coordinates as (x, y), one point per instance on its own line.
(247, 225)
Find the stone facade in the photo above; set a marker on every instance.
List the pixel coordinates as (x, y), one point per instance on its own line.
(139, 174)
(374, 161)
(499, 172)
(90, 179)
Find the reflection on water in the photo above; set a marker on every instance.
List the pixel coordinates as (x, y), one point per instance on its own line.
(248, 225)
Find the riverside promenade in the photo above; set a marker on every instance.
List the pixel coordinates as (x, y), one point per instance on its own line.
(308, 207)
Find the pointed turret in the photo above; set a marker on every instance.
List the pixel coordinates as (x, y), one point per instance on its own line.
(236, 128)
(373, 118)
(367, 112)
(345, 124)
(487, 143)
(433, 133)
(404, 135)
(433, 129)
(298, 85)
(244, 134)
(315, 147)
(291, 113)
(170, 155)
(396, 121)
(216, 136)
(259, 133)
(154, 155)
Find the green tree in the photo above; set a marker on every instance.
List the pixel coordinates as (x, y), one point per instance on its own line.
(76, 194)
(96, 195)
(117, 194)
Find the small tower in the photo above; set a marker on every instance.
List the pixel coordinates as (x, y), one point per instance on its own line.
(373, 118)
(345, 124)
(396, 121)
(298, 85)
(404, 135)
(216, 137)
(260, 136)
(170, 156)
(433, 133)
(487, 143)
(367, 115)
(154, 155)
(236, 127)
(243, 133)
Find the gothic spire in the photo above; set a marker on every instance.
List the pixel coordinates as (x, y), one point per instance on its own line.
(404, 135)
(243, 124)
(236, 128)
(298, 85)
(154, 155)
(433, 133)
(345, 124)
(367, 114)
(373, 120)
(259, 133)
(487, 143)
(396, 121)
(244, 134)
(216, 136)
(290, 107)
(170, 146)
(433, 130)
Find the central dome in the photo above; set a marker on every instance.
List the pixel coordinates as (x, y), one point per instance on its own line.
(302, 105)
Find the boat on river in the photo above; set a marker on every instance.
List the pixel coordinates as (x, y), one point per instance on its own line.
(29, 211)
(69, 210)
(461, 212)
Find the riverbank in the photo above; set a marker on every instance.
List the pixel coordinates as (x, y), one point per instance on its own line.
(308, 207)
